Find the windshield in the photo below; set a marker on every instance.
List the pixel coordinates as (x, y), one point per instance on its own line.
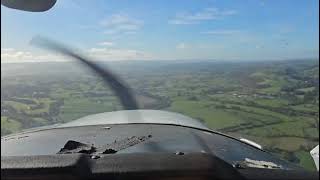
(249, 69)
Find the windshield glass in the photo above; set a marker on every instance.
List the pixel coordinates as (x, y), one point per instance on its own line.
(249, 69)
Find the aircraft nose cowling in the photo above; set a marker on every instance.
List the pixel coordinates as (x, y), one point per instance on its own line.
(136, 116)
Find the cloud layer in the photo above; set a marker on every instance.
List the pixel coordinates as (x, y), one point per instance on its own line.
(182, 46)
(121, 23)
(106, 43)
(14, 55)
(104, 54)
(222, 32)
(118, 54)
(204, 15)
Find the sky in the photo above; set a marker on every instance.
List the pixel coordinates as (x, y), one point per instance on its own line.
(113, 30)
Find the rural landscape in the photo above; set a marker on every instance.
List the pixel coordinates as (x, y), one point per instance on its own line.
(274, 103)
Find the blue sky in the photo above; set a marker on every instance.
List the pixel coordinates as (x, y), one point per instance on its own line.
(167, 29)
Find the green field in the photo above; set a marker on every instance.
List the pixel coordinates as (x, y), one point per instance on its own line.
(275, 104)
(9, 125)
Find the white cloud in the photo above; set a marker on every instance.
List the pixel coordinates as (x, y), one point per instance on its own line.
(10, 55)
(121, 23)
(13, 55)
(222, 32)
(286, 29)
(259, 46)
(182, 46)
(204, 15)
(262, 3)
(106, 43)
(105, 54)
